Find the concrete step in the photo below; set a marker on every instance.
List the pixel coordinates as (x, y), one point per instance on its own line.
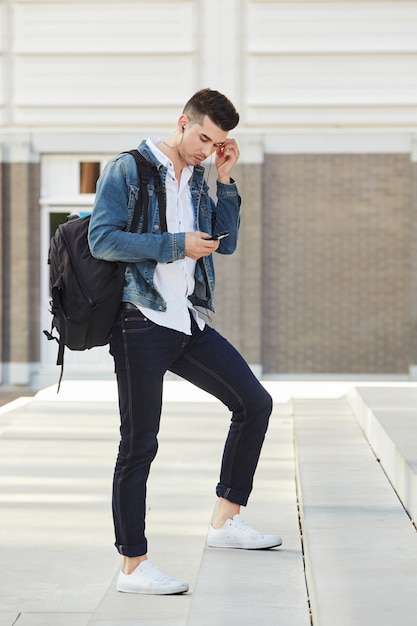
(55, 470)
(267, 587)
(359, 544)
(233, 587)
(56, 463)
(57, 564)
(180, 501)
(388, 417)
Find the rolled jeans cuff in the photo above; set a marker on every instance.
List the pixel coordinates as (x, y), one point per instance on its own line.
(139, 550)
(233, 495)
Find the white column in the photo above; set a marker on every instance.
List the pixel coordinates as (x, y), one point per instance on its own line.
(219, 46)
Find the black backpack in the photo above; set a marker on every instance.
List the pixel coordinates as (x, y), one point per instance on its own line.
(86, 292)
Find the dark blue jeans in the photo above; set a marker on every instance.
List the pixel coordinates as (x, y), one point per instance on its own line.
(143, 352)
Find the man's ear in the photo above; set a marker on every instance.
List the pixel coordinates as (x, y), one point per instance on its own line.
(182, 122)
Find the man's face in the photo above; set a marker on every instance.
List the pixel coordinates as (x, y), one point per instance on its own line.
(200, 141)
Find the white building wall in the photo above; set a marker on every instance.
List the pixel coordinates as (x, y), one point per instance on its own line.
(104, 63)
(83, 80)
(331, 63)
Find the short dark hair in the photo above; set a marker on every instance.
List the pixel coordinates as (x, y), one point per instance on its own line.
(213, 104)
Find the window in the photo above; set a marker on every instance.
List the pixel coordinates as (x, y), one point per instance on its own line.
(55, 219)
(89, 174)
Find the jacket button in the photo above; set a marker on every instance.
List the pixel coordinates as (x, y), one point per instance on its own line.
(156, 227)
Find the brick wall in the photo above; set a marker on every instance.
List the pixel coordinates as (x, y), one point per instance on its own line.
(337, 264)
(239, 277)
(413, 261)
(324, 280)
(20, 229)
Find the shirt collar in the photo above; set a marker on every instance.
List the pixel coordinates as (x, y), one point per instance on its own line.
(152, 142)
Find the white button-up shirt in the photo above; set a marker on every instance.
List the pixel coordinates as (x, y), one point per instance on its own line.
(175, 281)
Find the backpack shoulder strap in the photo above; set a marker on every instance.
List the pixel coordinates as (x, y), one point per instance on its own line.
(145, 171)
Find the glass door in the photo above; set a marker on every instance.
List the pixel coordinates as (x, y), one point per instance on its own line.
(67, 187)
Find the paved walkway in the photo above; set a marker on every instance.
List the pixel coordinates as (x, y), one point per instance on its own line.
(57, 563)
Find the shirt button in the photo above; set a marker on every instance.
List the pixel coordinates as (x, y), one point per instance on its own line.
(156, 227)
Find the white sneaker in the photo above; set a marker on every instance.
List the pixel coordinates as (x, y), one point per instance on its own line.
(147, 578)
(235, 533)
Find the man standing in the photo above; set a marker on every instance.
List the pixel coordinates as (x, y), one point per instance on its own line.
(159, 329)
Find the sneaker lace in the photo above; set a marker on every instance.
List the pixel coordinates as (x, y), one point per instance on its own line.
(243, 527)
(159, 576)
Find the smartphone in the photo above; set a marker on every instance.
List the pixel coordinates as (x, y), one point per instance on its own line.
(218, 236)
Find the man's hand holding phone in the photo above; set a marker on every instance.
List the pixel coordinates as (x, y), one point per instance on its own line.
(198, 244)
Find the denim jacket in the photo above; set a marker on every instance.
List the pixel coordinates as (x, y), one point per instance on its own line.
(109, 237)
